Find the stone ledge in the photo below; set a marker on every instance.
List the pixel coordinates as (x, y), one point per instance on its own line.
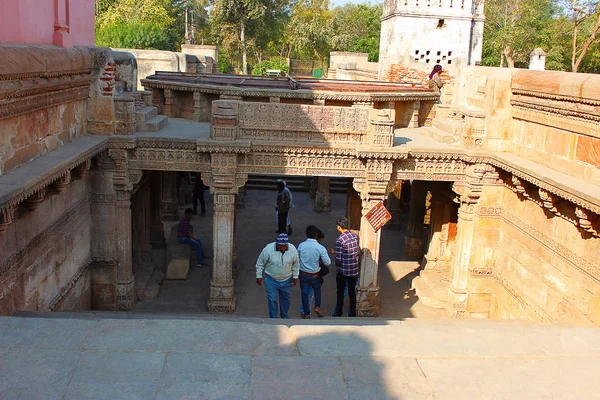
(19, 184)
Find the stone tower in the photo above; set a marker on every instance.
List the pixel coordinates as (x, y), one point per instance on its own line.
(422, 33)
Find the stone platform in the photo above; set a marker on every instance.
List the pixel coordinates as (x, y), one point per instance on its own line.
(140, 356)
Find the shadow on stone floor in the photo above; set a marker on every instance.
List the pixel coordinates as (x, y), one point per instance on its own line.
(255, 228)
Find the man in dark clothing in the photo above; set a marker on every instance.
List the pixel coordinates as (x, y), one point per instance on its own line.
(198, 193)
(283, 207)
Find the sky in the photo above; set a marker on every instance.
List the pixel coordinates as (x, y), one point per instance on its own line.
(334, 3)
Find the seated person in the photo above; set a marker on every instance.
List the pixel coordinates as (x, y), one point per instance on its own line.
(184, 235)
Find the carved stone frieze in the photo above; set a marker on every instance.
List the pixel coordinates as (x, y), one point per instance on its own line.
(430, 169)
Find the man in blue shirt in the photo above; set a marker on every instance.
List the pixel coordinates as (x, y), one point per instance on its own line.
(311, 252)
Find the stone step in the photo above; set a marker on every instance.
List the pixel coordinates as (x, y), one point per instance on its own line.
(450, 126)
(475, 102)
(154, 124)
(439, 135)
(145, 114)
(295, 184)
(436, 283)
(426, 294)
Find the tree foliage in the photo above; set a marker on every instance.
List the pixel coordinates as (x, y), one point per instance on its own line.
(274, 63)
(356, 28)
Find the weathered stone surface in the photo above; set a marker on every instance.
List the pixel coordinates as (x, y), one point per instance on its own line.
(178, 268)
(205, 376)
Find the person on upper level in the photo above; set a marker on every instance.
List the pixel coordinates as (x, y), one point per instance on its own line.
(435, 80)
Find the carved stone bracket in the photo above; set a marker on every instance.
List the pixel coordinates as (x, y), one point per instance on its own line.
(588, 221)
(36, 199)
(6, 218)
(62, 182)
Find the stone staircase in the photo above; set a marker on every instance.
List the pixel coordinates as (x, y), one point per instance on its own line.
(146, 115)
(295, 183)
(460, 125)
(431, 286)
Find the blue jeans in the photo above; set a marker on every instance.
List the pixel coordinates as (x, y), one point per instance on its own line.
(335, 310)
(310, 297)
(308, 282)
(275, 289)
(196, 244)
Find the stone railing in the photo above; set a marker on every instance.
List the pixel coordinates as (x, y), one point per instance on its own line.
(233, 120)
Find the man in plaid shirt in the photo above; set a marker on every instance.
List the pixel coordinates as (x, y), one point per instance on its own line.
(347, 255)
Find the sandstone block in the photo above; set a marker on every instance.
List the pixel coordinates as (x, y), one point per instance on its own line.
(178, 269)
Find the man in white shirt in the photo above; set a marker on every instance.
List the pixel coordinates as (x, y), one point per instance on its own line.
(311, 252)
(280, 264)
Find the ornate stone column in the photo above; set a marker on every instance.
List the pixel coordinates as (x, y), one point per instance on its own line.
(469, 193)
(144, 240)
(415, 241)
(222, 299)
(126, 296)
(169, 205)
(224, 182)
(414, 119)
(157, 234)
(103, 235)
(323, 195)
(372, 190)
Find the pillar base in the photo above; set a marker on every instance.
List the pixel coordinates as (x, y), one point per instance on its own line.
(126, 296)
(414, 247)
(103, 288)
(222, 299)
(457, 303)
(367, 301)
(322, 202)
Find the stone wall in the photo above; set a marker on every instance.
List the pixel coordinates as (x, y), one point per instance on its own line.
(150, 61)
(46, 254)
(351, 66)
(424, 33)
(43, 93)
(547, 269)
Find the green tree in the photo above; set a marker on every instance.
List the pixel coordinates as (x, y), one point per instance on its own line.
(585, 19)
(309, 29)
(123, 12)
(513, 28)
(357, 27)
(234, 17)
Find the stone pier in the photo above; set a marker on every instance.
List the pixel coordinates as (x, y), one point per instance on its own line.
(323, 195)
(415, 240)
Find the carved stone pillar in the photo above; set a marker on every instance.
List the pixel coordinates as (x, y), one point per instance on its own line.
(470, 193)
(169, 205)
(171, 103)
(222, 299)
(103, 235)
(414, 119)
(312, 193)
(323, 195)
(157, 234)
(415, 241)
(372, 190)
(144, 240)
(224, 182)
(126, 296)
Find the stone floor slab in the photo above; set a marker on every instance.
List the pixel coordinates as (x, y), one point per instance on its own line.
(31, 373)
(513, 378)
(396, 339)
(205, 376)
(184, 335)
(385, 378)
(44, 332)
(566, 341)
(127, 375)
(301, 378)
